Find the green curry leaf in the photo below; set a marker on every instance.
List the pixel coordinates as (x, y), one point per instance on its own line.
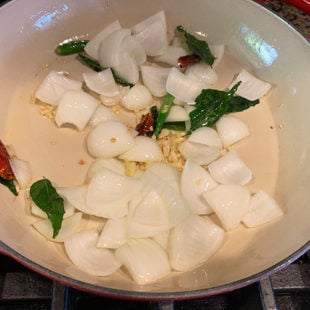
(45, 196)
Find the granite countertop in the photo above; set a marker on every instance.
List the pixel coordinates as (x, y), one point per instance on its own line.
(291, 14)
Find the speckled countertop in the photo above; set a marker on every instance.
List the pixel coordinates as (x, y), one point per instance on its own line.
(291, 14)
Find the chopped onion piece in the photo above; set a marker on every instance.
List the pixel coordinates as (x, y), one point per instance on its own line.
(194, 241)
(54, 85)
(145, 260)
(102, 114)
(127, 68)
(177, 207)
(183, 87)
(113, 234)
(251, 87)
(145, 149)
(111, 48)
(109, 163)
(137, 98)
(230, 169)
(168, 173)
(151, 210)
(194, 181)
(152, 34)
(218, 52)
(102, 82)
(68, 227)
(22, 172)
(75, 196)
(231, 130)
(263, 209)
(75, 108)
(200, 153)
(230, 203)
(157, 17)
(83, 252)
(109, 139)
(177, 114)
(110, 101)
(92, 47)
(206, 136)
(134, 49)
(154, 78)
(162, 239)
(171, 55)
(203, 73)
(108, 193)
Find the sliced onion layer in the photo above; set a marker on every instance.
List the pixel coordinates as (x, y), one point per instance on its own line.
(206, 136)
(75, 108)
(54, 85)
(137, 98)
(230, 169)
(92, 47)
(251, 87)
(183, 87)
(230, 203)
(171, 55)
(154, 78)
(83, 251)
(177, 114)
(22, 172)
(145, 149)
(177, 207)
(109, 139)
(200, 153)
(217, 51)
(108, 163)
(196, 180)
(102, 114)
(102, 82)
(263, 209)
(231, 130)
(108, 193)
(145, 260)
(134, 49)
(113, 234)
(111, 48)
(152, 34)
(68, 227)
(203, 73)
(194, 241)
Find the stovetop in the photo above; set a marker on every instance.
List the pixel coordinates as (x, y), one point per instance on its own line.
(288, 289)
(22, 289)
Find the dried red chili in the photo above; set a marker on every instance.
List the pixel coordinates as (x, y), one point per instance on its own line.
(185, 61)
(6, 171)
(146, 125)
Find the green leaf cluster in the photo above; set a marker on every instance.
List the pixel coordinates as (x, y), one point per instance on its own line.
(45, 196)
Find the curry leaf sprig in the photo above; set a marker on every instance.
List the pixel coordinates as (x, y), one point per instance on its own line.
(210, 106)
(198, 47)
(45, 196)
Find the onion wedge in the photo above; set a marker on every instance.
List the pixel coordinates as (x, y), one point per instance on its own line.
(263, 209)
(83, 252)
(193, 241)
(145, 260)
(230, 203)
